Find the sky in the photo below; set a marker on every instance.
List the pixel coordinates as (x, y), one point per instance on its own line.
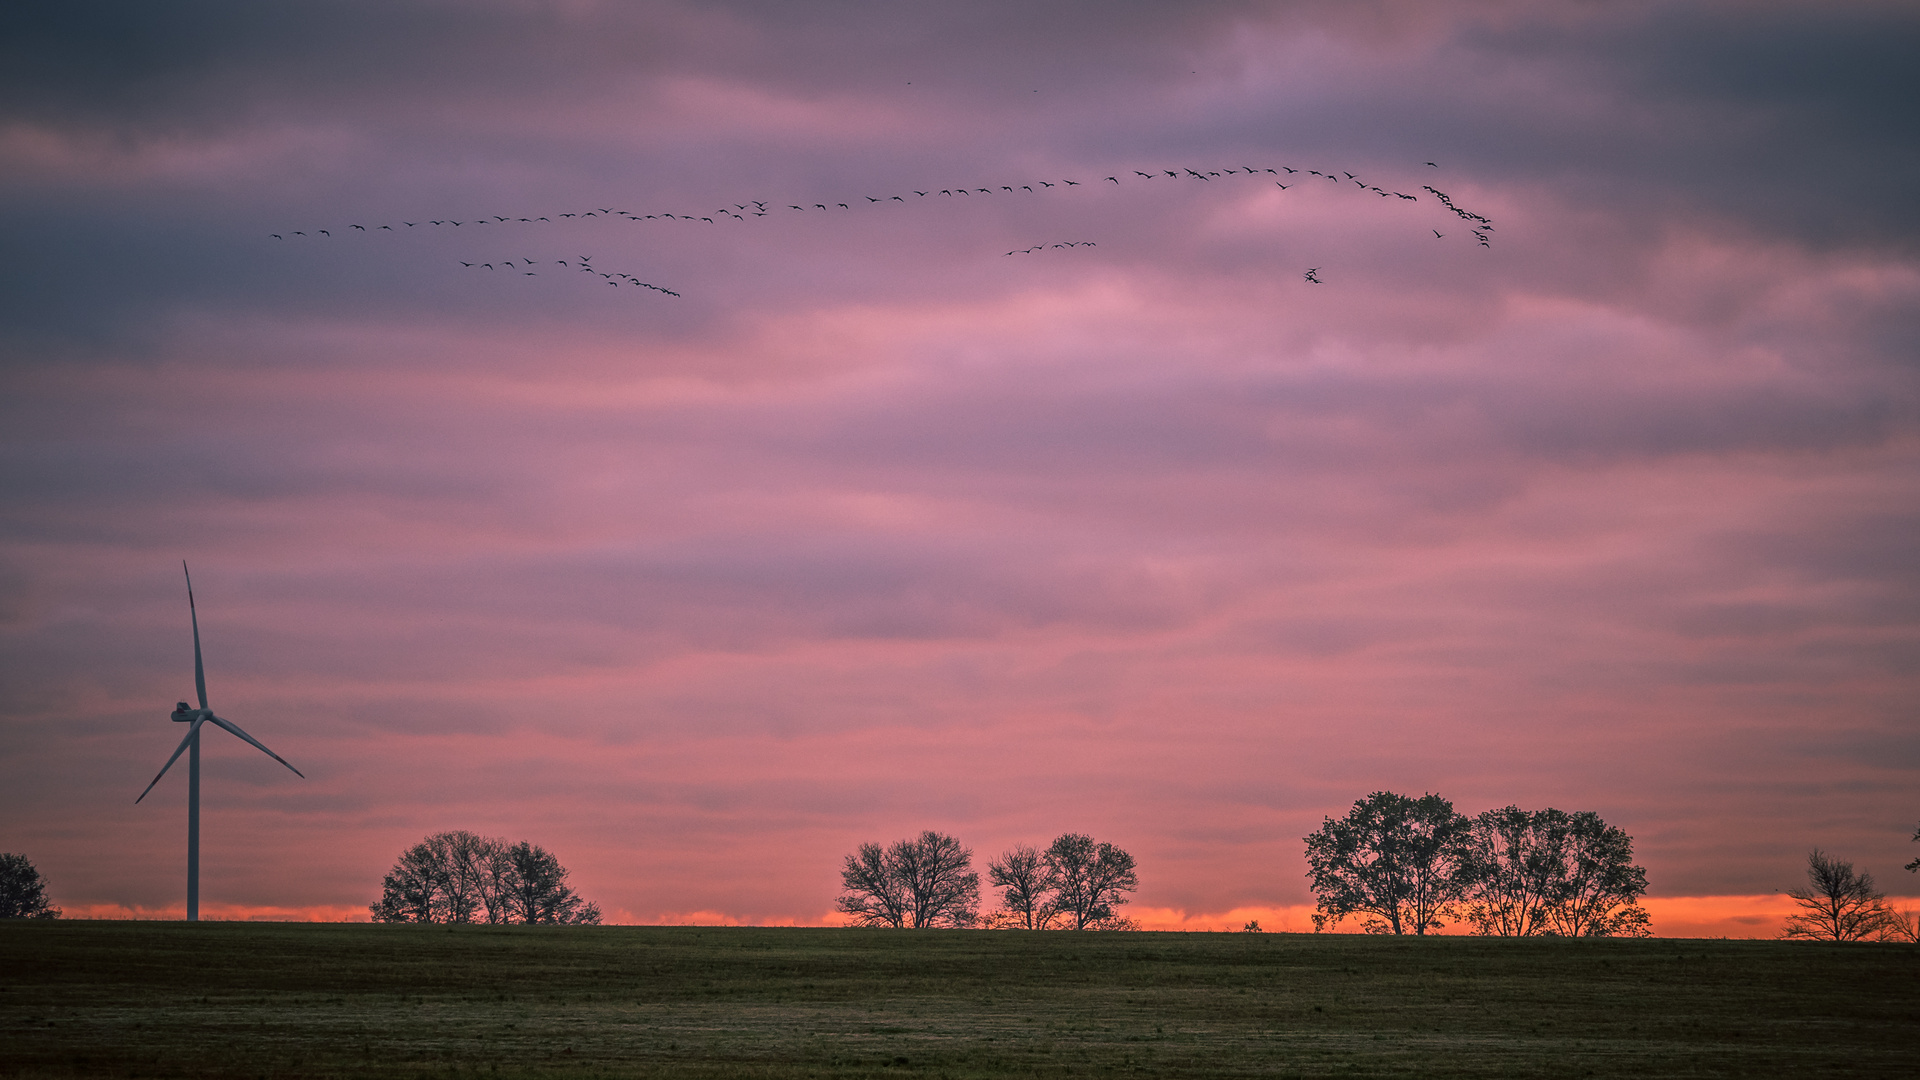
(908, 515)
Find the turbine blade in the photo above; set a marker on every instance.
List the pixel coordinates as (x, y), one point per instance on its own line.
(181, 749)
(235, 728)
(199, 669)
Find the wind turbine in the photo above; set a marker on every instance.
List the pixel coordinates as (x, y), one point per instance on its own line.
(183, 714)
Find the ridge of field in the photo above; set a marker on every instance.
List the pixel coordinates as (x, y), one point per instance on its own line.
(106, 999)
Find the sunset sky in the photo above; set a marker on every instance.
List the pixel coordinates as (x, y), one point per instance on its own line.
(876, 528)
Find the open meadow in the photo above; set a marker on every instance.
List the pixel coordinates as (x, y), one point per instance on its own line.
(357, 1000)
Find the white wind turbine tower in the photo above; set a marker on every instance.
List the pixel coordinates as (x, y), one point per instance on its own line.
(183, 714)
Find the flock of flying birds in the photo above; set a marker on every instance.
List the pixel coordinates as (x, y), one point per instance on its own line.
(1286, 177)
(583, 265)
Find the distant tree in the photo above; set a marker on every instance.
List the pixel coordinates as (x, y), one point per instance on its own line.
(1914, 866)
(1901, 925)
(412, 892)
(926, 881)
(1394, 860)
(875, 895)
(1089, 881)
(461, 877)
(23, 890)
(1837, 904)
(535, 889)
(1600, 887)
(1026, 889)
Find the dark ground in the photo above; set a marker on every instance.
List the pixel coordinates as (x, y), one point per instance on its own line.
(313, 1000)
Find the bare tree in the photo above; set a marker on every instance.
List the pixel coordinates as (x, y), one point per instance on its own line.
(412, 891)
(1089, 881)
(1914, 866)
(1395, 860)
(875, 895)
(1837, 904)
(1900, 925)
(536, 890)
(1026, 889)
(22, 890)
(926, 881)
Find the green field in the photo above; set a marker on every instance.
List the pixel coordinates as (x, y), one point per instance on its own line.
(309, 1000)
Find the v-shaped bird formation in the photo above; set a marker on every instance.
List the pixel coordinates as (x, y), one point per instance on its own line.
(1285, 177)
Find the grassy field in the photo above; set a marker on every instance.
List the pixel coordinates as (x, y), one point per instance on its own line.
(313, 1000)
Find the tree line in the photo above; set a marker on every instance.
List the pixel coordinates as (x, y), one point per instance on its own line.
(1403, 865)
(929, 881)
(1406, 866)
(461, 877)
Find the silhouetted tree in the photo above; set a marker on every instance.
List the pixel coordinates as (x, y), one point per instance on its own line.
(1394, 859)
(460, 877)
(23, 890)
(1089, 881)
(922, 882)
(1904, 925)
(1026, 888)
(1837, 904)
(1547, 872)
(536, 891)
(1514, 868)
(1600, 887)
(412, 891)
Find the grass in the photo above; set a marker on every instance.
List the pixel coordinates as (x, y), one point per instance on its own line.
(341, 1000)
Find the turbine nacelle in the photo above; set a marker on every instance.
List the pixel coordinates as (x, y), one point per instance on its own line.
(184, 713)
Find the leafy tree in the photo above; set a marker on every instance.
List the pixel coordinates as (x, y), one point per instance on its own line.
(1538, 872)
(1515, 870)
(1089, 881)
(1394, 860)
(1837, 904)
(460, 877)
(23, 890)
(1026, 889)
(1600, 887)
(922, 882)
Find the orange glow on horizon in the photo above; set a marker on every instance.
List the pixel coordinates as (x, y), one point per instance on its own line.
(1752, 917)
